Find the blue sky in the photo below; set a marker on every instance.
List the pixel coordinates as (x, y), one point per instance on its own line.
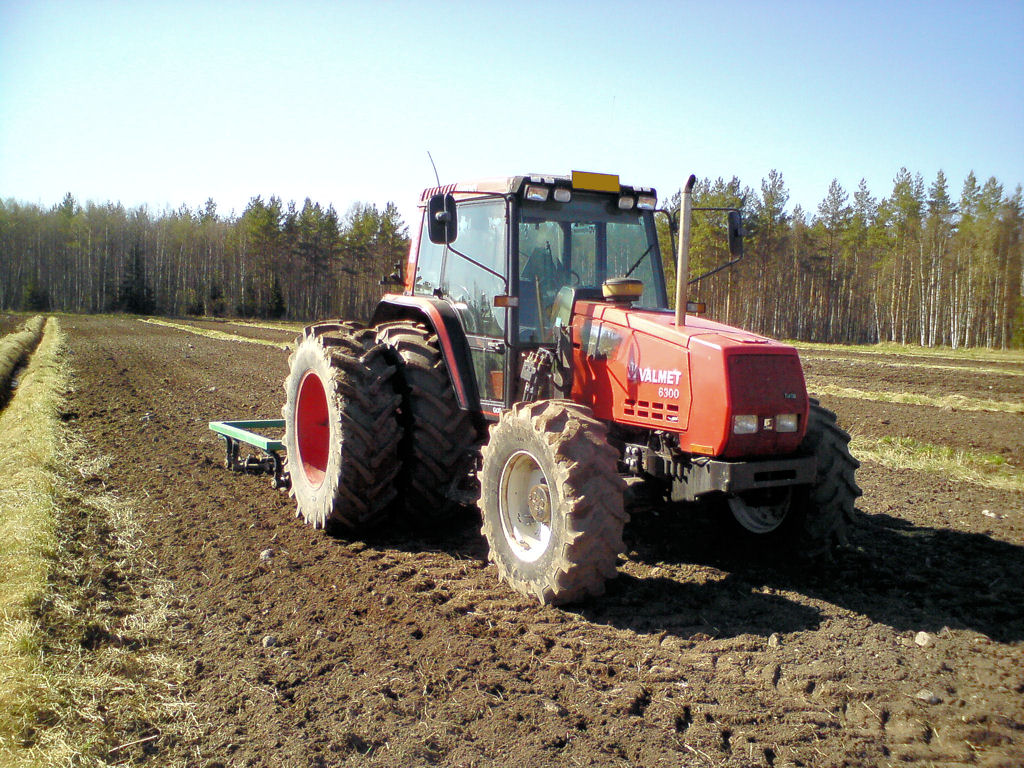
(172, 103)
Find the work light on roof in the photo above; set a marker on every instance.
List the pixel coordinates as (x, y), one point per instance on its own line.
(562, 194)
(536, 192)
(646, 202)
(626, 202)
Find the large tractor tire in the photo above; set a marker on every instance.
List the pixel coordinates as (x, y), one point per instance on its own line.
(341, 432)
(814, 519)
(436, 432)
(552, 501)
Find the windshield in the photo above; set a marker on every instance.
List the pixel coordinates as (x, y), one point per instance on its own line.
(583, 243)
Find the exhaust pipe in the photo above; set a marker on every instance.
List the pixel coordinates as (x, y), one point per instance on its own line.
(683, 255)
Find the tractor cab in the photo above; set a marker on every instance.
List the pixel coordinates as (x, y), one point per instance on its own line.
(512, 256)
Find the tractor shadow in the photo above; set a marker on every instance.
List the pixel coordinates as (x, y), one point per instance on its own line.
(704, 580)
(690, 608)
(908, 577)
(696, 610)
(457, 533)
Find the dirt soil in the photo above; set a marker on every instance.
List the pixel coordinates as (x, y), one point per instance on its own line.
(401, 649)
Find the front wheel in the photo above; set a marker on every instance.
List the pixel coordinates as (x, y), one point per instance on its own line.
(552, 501)
(811, 519)
(827, 507)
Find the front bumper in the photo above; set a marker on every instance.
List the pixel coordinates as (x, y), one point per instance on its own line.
(705, 475)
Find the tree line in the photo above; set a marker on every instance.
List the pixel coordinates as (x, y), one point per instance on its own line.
(273, 261)
(918, 266)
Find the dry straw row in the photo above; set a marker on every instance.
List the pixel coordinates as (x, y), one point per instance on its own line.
(15, 348)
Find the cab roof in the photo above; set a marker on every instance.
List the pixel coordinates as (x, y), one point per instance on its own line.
(506, 185)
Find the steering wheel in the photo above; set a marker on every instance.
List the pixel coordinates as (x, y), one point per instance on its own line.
(524, 262)
(461, 295)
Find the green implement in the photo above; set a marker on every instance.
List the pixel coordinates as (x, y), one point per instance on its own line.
(235, 433)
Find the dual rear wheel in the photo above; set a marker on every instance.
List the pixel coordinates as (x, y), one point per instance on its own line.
(372, 424)
(341, 436)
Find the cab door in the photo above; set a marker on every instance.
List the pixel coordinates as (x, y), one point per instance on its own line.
(482, 237)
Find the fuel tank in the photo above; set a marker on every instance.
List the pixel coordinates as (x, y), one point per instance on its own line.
(637, 368)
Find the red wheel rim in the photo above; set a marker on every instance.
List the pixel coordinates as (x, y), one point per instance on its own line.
(312, 429)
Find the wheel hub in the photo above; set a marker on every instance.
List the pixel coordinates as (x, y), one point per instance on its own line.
(762, 517)
(312, 429)
(539, 504)
(524, 507)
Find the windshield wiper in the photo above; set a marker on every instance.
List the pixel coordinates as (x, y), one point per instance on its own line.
(642, 257)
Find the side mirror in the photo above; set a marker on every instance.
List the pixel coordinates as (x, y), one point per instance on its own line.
(442, 221)
(735, 234)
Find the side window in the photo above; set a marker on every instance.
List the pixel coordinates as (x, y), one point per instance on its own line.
(482, 229)
(428, 265)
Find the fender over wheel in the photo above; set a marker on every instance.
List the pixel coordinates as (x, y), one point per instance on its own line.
(552, 501)
(341, 432)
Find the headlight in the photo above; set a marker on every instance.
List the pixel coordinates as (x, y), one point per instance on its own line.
(536, 192)
(563, 195)
(626, 203)
(646, 202)
(787, 422)
(744, 425)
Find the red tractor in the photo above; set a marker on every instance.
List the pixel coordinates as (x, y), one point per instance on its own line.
(532, 365)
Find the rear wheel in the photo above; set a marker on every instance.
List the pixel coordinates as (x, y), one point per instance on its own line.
(341, 434)
(436, 432)
(552, 501)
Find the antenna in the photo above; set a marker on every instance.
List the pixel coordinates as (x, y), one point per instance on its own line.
(435, 168)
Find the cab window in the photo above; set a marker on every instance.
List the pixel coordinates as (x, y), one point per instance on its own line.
(481, 237)
(428, 265)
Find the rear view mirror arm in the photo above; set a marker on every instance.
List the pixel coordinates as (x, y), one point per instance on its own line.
(713, 271)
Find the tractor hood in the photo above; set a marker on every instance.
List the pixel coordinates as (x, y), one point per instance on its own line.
(637, 367)
(661, 323)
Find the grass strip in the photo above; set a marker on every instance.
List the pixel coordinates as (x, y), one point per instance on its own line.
(986, 469)
(295, 328)
(27, 545)
(889, 363)
(15, 347)
(84, 675)
(889, 348)
(211, 334)
(952, 402)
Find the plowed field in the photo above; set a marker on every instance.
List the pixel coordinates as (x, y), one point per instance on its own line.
(403, 650)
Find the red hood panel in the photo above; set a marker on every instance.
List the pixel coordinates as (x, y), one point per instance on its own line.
(636, 367)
